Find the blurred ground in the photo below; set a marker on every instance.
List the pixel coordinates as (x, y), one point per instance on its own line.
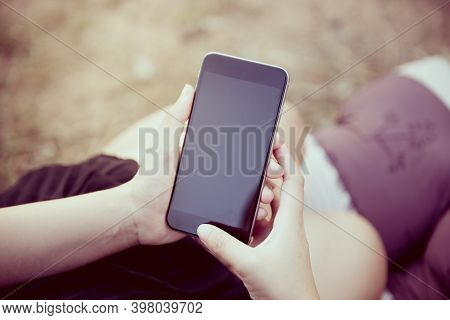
(56, 107)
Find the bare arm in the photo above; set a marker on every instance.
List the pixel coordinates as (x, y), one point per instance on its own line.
(53, 236)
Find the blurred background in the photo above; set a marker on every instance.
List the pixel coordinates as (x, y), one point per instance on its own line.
(57, 107)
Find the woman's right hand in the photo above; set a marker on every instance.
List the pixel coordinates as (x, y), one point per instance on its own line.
(279, 267)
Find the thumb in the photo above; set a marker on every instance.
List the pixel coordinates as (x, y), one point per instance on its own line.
(176, 116)
(230, 251)
(181, 109)
(290, 211)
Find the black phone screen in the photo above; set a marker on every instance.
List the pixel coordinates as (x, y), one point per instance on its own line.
(227, 146)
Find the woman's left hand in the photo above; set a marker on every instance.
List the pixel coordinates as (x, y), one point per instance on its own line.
(150, 193)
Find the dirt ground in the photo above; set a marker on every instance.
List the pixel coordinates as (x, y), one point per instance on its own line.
(55, 106)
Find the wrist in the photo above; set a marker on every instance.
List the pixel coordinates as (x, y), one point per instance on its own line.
(122, 202)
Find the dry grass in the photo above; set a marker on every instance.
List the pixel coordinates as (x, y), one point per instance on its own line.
(57, 107)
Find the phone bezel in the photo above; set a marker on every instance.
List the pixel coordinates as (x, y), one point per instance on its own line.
(248, 70)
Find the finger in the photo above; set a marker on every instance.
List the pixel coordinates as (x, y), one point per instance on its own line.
(182, 139)
(275, 186)
(230, 251)
(267, 195)
(274, 170)
(268, 209)
(292, 177)
(174, 123)
(262, 227)
(291, 198)
(276, 189)
(262, 214)
(278, 141)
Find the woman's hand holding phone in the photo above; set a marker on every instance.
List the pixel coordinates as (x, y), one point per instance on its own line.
(150, 194)
(279, 266)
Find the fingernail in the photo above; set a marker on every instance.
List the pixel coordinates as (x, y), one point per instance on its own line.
(203, 231)
(261, 214)
(275, 167)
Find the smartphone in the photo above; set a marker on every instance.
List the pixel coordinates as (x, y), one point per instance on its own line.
(227, 146)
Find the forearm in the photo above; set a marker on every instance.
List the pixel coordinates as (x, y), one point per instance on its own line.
(49, 237)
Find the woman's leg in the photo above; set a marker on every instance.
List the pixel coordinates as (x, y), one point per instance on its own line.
(390, 147)
(347, 256)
